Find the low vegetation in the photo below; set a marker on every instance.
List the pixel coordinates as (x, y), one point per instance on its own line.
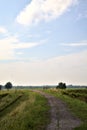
(75, 99)
(23, 110)
(77, 93)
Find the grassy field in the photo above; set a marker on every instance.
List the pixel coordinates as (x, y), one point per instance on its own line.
(76, 100)
(27, 110)
(23, 110)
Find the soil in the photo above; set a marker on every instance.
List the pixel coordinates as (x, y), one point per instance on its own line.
(61, 117)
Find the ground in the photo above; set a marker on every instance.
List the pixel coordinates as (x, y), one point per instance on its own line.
(61, 117)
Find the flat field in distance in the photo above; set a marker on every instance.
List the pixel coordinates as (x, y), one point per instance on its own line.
(76, 100)
(23, 110)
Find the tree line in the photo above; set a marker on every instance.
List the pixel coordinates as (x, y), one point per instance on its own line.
(9, 85)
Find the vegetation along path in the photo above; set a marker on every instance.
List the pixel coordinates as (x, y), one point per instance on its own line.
(61, 117)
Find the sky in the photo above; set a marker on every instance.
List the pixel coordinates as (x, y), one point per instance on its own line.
(43, 42)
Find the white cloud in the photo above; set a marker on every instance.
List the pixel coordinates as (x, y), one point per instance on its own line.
(3, 30)
(8, 46)
(6, 49)
(46, 10)
(24, 45)
(34, 36)
(19, 53)
(69, 69)
(77, 44)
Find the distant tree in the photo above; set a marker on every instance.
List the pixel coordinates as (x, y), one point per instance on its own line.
(8, 85)
(0, 87)
(61, 85)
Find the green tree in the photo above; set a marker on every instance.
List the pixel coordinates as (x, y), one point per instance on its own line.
(8, 85)
(0, 87)
(61, 85)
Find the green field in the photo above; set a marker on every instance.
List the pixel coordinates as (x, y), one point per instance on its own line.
(27, 110)
(76, 100)
(23, 110)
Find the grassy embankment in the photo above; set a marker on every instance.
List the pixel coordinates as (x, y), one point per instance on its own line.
(76, 100)
(23, 110)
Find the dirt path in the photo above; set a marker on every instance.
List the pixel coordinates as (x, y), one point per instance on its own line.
(61, 117)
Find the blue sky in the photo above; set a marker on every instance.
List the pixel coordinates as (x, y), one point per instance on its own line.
(43, 42)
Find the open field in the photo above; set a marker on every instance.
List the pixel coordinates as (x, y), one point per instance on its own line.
(76, 101)
(23, 110)
(29, 110)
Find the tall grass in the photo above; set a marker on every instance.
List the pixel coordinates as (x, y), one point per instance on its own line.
(31, 113)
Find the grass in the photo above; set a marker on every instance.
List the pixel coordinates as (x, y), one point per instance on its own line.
(76, 105)
(30, 112)
(27, 110)
(77, 93)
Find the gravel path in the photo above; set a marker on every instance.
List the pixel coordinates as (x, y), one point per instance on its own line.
(61, 117)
